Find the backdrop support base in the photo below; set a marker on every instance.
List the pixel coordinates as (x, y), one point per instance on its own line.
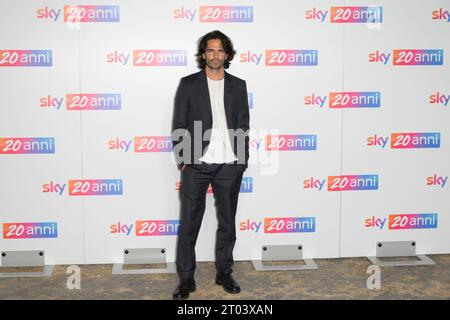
(25, 259)
(392, 249)
(283, 253)
(147, 256)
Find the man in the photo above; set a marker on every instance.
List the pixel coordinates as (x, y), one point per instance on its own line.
(210, 142)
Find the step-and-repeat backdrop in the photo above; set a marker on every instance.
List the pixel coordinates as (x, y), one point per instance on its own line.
(349, 107)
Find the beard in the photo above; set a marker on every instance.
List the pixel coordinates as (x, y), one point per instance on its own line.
(215, 64)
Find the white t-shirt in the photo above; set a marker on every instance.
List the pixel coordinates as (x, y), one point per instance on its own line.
(219, 149)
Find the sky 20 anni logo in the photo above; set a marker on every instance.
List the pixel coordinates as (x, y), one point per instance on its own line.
(409, 57)
(145, 228)
(27, 230)
(280, 225)
(343, 183)
(79, 13)
(354, 14)
(31, 145)
(83, 102)
(26, 58)
(282, 57)
(348, 99)
(90, 187)
(215, 14)
(149, 58)
(403, 221)
(406, 140)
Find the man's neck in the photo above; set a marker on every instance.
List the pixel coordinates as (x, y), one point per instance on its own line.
(215, 74)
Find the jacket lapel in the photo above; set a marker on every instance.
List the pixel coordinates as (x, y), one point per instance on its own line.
(227, 98)
(204, 91)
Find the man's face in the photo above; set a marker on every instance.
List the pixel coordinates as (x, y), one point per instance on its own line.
(214, 54)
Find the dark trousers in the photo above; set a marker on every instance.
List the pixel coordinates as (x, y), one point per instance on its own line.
(225, 180)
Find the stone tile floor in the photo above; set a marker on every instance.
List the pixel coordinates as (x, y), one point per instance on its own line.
(344, 278)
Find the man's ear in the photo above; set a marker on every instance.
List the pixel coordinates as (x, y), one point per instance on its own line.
(203, 56)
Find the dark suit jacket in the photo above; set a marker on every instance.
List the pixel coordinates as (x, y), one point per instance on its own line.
(192, 103)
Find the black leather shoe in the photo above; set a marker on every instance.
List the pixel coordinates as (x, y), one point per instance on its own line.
(228, 283)
(185, 286)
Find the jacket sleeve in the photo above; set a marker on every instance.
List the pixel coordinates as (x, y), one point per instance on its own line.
(243, 118)
(180, 119)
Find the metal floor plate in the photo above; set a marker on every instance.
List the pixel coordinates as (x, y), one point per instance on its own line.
(397, 249)
(309, 265)
(47, 272)
(118, 269)
(422, 261)
(283, 253)
(144, 256)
